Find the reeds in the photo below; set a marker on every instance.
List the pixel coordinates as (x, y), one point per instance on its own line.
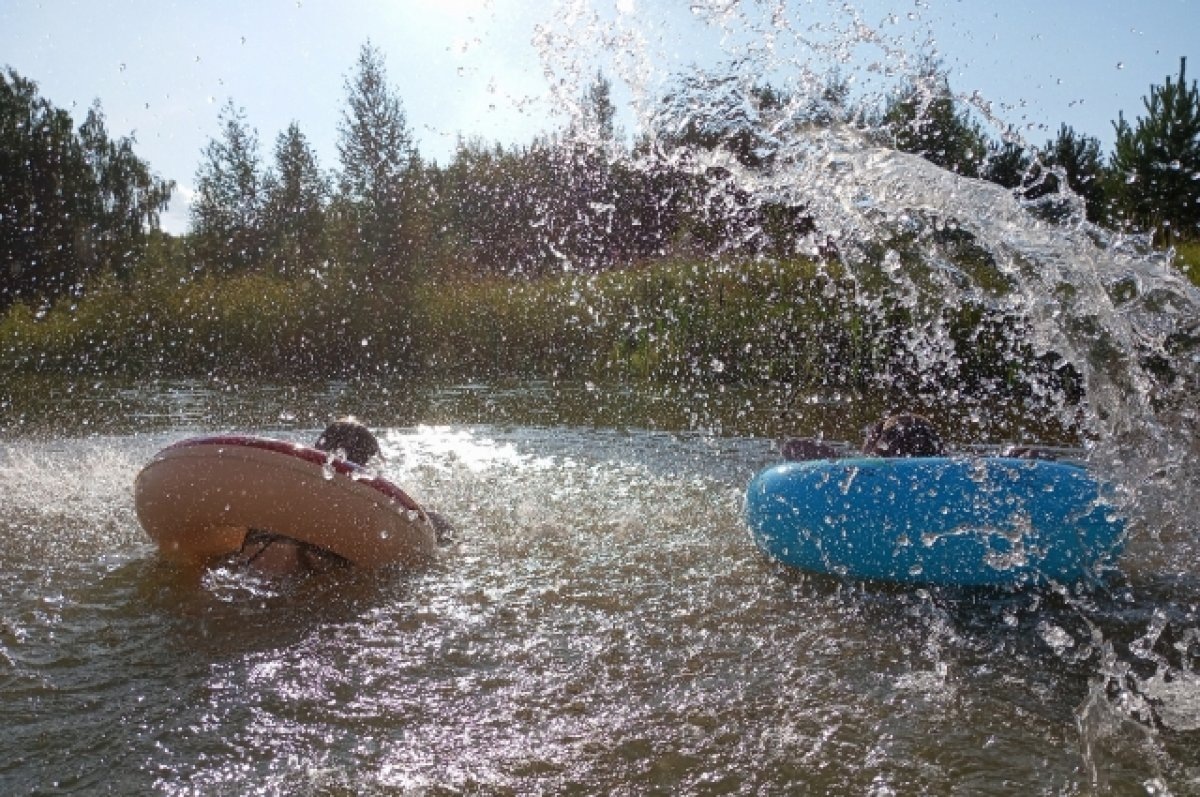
(684, 321)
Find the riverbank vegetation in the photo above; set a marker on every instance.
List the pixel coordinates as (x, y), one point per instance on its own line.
(794, 324)
(576, 256)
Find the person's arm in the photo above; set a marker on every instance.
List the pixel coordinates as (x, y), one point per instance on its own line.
(797, 449)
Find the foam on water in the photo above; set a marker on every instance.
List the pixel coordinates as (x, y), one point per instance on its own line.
(69, 499)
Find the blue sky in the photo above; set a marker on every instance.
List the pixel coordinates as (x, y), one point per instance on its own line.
(504, 70)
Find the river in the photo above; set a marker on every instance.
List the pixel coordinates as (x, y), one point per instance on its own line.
(602, 624)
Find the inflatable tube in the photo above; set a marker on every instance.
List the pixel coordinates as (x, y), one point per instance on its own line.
(985, 521)
(197, 499)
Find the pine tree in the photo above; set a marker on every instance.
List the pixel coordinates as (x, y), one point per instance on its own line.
(1006, 164)
(710, 111)
(597, 112)
(1078, 157)
(227, 211)
(379, 167)
(924, 119)
(294, 211)
(1156, 162)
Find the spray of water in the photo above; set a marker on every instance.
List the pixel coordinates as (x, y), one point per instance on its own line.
(1102, 303)
(1096, 301)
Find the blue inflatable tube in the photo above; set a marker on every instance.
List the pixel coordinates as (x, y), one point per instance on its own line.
(970, 521)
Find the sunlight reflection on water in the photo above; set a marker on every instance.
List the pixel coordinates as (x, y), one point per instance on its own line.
(602, 623)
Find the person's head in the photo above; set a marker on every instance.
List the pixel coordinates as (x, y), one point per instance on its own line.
(903, 435)
(351, 439)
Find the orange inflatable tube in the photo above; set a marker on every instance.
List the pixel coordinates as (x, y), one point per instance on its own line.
(197, 499)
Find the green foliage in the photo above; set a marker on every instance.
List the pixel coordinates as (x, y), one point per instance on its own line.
(1187, 260)
(597, 117)
(375, 144)
(46, 186)
(690, 323)
(238, 325)
(380, 168)
(554, 206)
(297, 195)
(1076, 158)
(924, 118)
(559, 258)
(1007, 164)
(128, 201)
(707, 111)
(227, 211)
(1157, 162)
(1069, 161)
(703, 322)
(73, 205)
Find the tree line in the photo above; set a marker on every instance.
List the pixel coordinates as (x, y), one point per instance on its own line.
(75, 204)
(1150, 183)
(393, 259)
(580, 200)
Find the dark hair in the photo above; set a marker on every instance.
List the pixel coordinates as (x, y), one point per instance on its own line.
(351, 438)
(903, 435)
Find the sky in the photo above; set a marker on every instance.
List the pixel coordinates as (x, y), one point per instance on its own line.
(506, 70)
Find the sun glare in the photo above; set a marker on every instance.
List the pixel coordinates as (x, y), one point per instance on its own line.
(459, 9)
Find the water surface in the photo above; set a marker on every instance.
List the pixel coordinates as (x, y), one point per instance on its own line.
(603, 624)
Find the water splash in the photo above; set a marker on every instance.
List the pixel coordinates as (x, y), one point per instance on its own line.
(79, 488)
(1099, 302)
(1092, 300)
